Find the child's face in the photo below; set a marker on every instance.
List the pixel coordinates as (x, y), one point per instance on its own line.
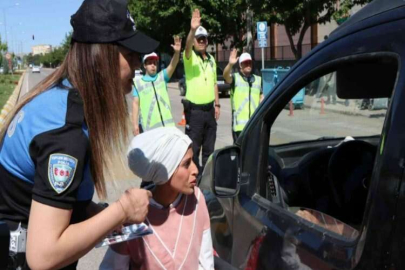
(184, 178)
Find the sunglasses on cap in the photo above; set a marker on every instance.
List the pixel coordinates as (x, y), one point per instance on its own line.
(247, 63)
(201, 39)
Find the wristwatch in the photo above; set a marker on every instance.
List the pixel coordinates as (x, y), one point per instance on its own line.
(218, 105)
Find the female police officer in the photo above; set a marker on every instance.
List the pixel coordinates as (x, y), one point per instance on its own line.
(59, 139)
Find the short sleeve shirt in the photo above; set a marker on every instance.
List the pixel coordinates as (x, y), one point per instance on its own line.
(148, 78)
(45, 155)
(201, 78)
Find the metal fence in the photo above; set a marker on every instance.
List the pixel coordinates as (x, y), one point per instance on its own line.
(280, 53)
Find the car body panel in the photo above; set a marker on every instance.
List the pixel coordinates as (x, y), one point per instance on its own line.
(268, 236)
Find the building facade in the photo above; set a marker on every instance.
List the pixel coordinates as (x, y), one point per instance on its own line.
(41, 49)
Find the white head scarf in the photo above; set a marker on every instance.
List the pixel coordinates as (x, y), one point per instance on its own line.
(155, 155)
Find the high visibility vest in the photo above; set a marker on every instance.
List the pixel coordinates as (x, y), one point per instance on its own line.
(244, 100)
(155, 109)
(201, 77)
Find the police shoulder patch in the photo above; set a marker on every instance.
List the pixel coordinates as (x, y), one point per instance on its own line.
(61, 170)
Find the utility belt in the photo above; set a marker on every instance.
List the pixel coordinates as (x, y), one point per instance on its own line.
(188, 106)
(17, 247)
(18, 239)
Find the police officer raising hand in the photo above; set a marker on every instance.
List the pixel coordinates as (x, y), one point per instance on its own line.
(246, 91)
(201, 106)
(151, 106)
(233, 59)
(177, 44)
(195, 20)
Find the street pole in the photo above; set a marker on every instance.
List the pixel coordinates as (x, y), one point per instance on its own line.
(262, 58)
(5, 19)
(249, 31)
(5, 23)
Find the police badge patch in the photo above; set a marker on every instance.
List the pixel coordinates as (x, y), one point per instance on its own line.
(61, 170)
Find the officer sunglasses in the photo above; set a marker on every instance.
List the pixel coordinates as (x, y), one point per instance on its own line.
(246, 63)
(202, 39)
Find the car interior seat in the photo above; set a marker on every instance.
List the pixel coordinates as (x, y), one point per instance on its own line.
(349, 170)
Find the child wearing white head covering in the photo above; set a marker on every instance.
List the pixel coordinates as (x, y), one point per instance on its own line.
(156, 154)
(178, 215)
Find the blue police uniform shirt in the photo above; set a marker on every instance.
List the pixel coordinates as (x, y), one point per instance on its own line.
(148, 78)
(45, 155)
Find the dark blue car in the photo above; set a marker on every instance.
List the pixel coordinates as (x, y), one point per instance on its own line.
(321, 188)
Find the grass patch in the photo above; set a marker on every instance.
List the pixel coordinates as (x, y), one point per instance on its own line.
(7, 86)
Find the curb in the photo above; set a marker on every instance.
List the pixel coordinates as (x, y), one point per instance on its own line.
(12, 100)
(335, 110)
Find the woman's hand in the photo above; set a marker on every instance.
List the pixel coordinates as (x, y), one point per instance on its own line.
(135, 204)
(136, 130)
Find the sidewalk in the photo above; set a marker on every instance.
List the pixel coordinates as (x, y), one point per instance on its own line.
(349, 107)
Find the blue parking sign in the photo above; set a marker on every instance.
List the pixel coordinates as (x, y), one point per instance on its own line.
(262, 34)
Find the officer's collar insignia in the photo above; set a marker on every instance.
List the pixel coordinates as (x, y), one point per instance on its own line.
(61, 170)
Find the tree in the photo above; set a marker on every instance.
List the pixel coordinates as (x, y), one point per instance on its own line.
(3, 49)
(65, 45)
(345, 7)
(161, 19)
(298, 15)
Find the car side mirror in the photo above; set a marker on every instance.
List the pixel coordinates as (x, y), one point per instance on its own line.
(223, 169)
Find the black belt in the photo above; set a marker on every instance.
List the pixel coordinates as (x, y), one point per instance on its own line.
(202, 107)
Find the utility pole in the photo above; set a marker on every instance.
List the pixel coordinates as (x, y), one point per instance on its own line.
(5, 23)
(249, 36)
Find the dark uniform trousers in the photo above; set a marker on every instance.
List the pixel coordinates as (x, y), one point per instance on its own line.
(202, 129)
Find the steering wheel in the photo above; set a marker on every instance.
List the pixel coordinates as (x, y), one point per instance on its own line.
(349, 172)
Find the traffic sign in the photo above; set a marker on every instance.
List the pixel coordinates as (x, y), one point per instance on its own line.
(262, 43)
(262, 34)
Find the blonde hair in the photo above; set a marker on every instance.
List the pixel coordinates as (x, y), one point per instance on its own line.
(93, 69)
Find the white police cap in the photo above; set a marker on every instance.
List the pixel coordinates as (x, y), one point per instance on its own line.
(201, 32)
(244, 57)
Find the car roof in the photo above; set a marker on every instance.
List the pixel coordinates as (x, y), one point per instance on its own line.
(369, 14)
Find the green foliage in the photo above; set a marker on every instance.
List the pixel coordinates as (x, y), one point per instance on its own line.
(298, 15)
(7, 86)
(346, 6)
(162, 19)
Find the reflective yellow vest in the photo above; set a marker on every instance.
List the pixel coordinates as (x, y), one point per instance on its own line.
(201, 77)
(244, 100)
(155, 109)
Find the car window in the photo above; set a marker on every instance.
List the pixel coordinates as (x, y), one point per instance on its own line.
(317, 113)
(324, 142)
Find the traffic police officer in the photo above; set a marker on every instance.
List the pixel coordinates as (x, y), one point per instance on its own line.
(246, 91)
(151, 98)
(201, 105)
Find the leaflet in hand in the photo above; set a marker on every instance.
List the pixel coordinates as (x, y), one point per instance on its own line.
(127, 233)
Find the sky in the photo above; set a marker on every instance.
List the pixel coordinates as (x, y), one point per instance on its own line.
(47, 20)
